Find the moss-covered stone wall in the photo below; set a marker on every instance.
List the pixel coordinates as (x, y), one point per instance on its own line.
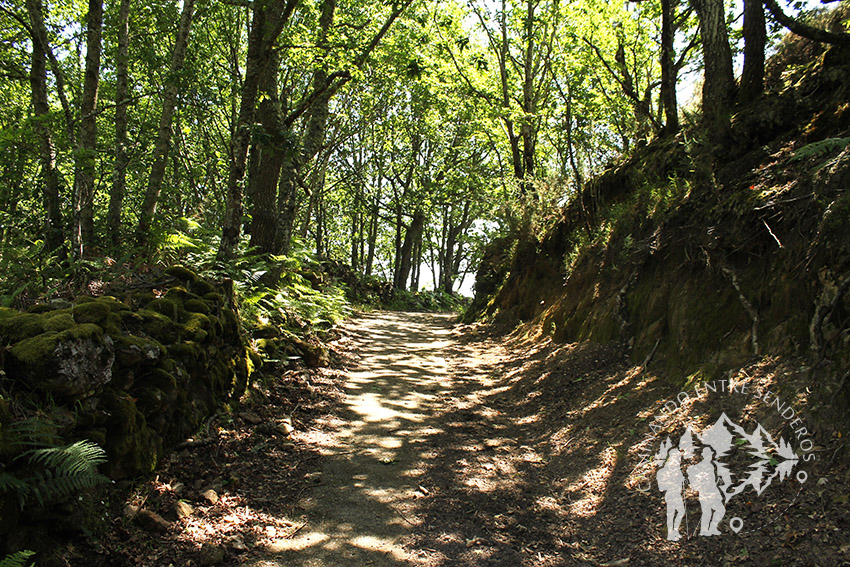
(136, 374)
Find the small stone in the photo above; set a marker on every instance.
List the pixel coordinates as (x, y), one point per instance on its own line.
(271, 531)
(251, 417)
(149, 521)
(237, 544)
(183, 509)
(210, 496)
(210, 554)
(285, 426)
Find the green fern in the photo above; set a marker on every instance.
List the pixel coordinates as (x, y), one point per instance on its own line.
(33, 432)
(18, 559)
(820, 148)
(55, 473)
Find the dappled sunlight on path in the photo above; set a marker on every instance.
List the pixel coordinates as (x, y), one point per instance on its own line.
(359, 510)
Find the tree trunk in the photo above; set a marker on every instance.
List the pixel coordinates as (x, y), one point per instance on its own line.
(411, 235)
(527, 129)
(119, 170)
(53, 234)
(356, 226)
(267, 23)
(373, 232)
(163, 138)
(268, 155)
(718, 90)
(755, 36)
(317, 188)
(82, 233)
(668, 69)
(312, 141)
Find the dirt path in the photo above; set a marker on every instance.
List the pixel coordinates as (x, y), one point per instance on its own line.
(358, 514)
(451, 447)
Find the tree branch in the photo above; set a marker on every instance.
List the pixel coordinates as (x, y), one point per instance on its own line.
(803, 29)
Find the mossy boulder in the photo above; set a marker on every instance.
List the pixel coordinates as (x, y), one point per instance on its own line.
(182, 273)
(58, 321)
(133, 351)
(158, 326)
(164, 306)
(74, 363)
(20, 326)
(197, 306)
(99, 312)
(202, 287)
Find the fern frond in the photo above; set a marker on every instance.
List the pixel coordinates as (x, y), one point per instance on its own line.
(18, 559)
(11, 483)
(820, 148)
(33, 432)
(64, 472)
(82, 456)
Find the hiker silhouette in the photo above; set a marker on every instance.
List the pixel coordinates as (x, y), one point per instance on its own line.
(671, 482)
(703, 478)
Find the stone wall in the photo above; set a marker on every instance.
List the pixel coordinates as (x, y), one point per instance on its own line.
(136, 374)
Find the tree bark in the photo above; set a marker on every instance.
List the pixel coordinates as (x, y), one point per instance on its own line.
(269, 156)
(718, 90)
(529, 108)
(755, 37)
(373, 231)
(53, 232)
(668, 69)
(269, 18)
(411, 235)
(312, 140)
(119, 171)
(163, 137)
(82, 233)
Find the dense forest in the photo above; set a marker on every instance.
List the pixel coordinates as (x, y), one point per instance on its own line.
(393, 138)
(194, 194)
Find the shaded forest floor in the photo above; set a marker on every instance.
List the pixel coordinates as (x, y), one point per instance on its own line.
(439, 445)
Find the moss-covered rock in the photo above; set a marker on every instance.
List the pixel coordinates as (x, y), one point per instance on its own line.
(182, 273)
(158, 326)
(74, 363)
(201, 287)
(99, 312)
(133, 448)
(196, 327)
(197, 306)
(136, 373)
(133, 351)
(164, 306)
(21, 326)
(58, 321)
(180, 294)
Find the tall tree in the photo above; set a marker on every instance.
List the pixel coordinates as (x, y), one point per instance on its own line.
(755, 38)
(119, 169)
(668, 68)
(82, 232)
(163, 136)
(268, 20)
(718, 89)
(53, 231)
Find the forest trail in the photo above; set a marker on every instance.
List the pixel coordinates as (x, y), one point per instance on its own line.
(358, 512)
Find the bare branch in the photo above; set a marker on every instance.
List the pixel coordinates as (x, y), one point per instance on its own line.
(803, 29)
